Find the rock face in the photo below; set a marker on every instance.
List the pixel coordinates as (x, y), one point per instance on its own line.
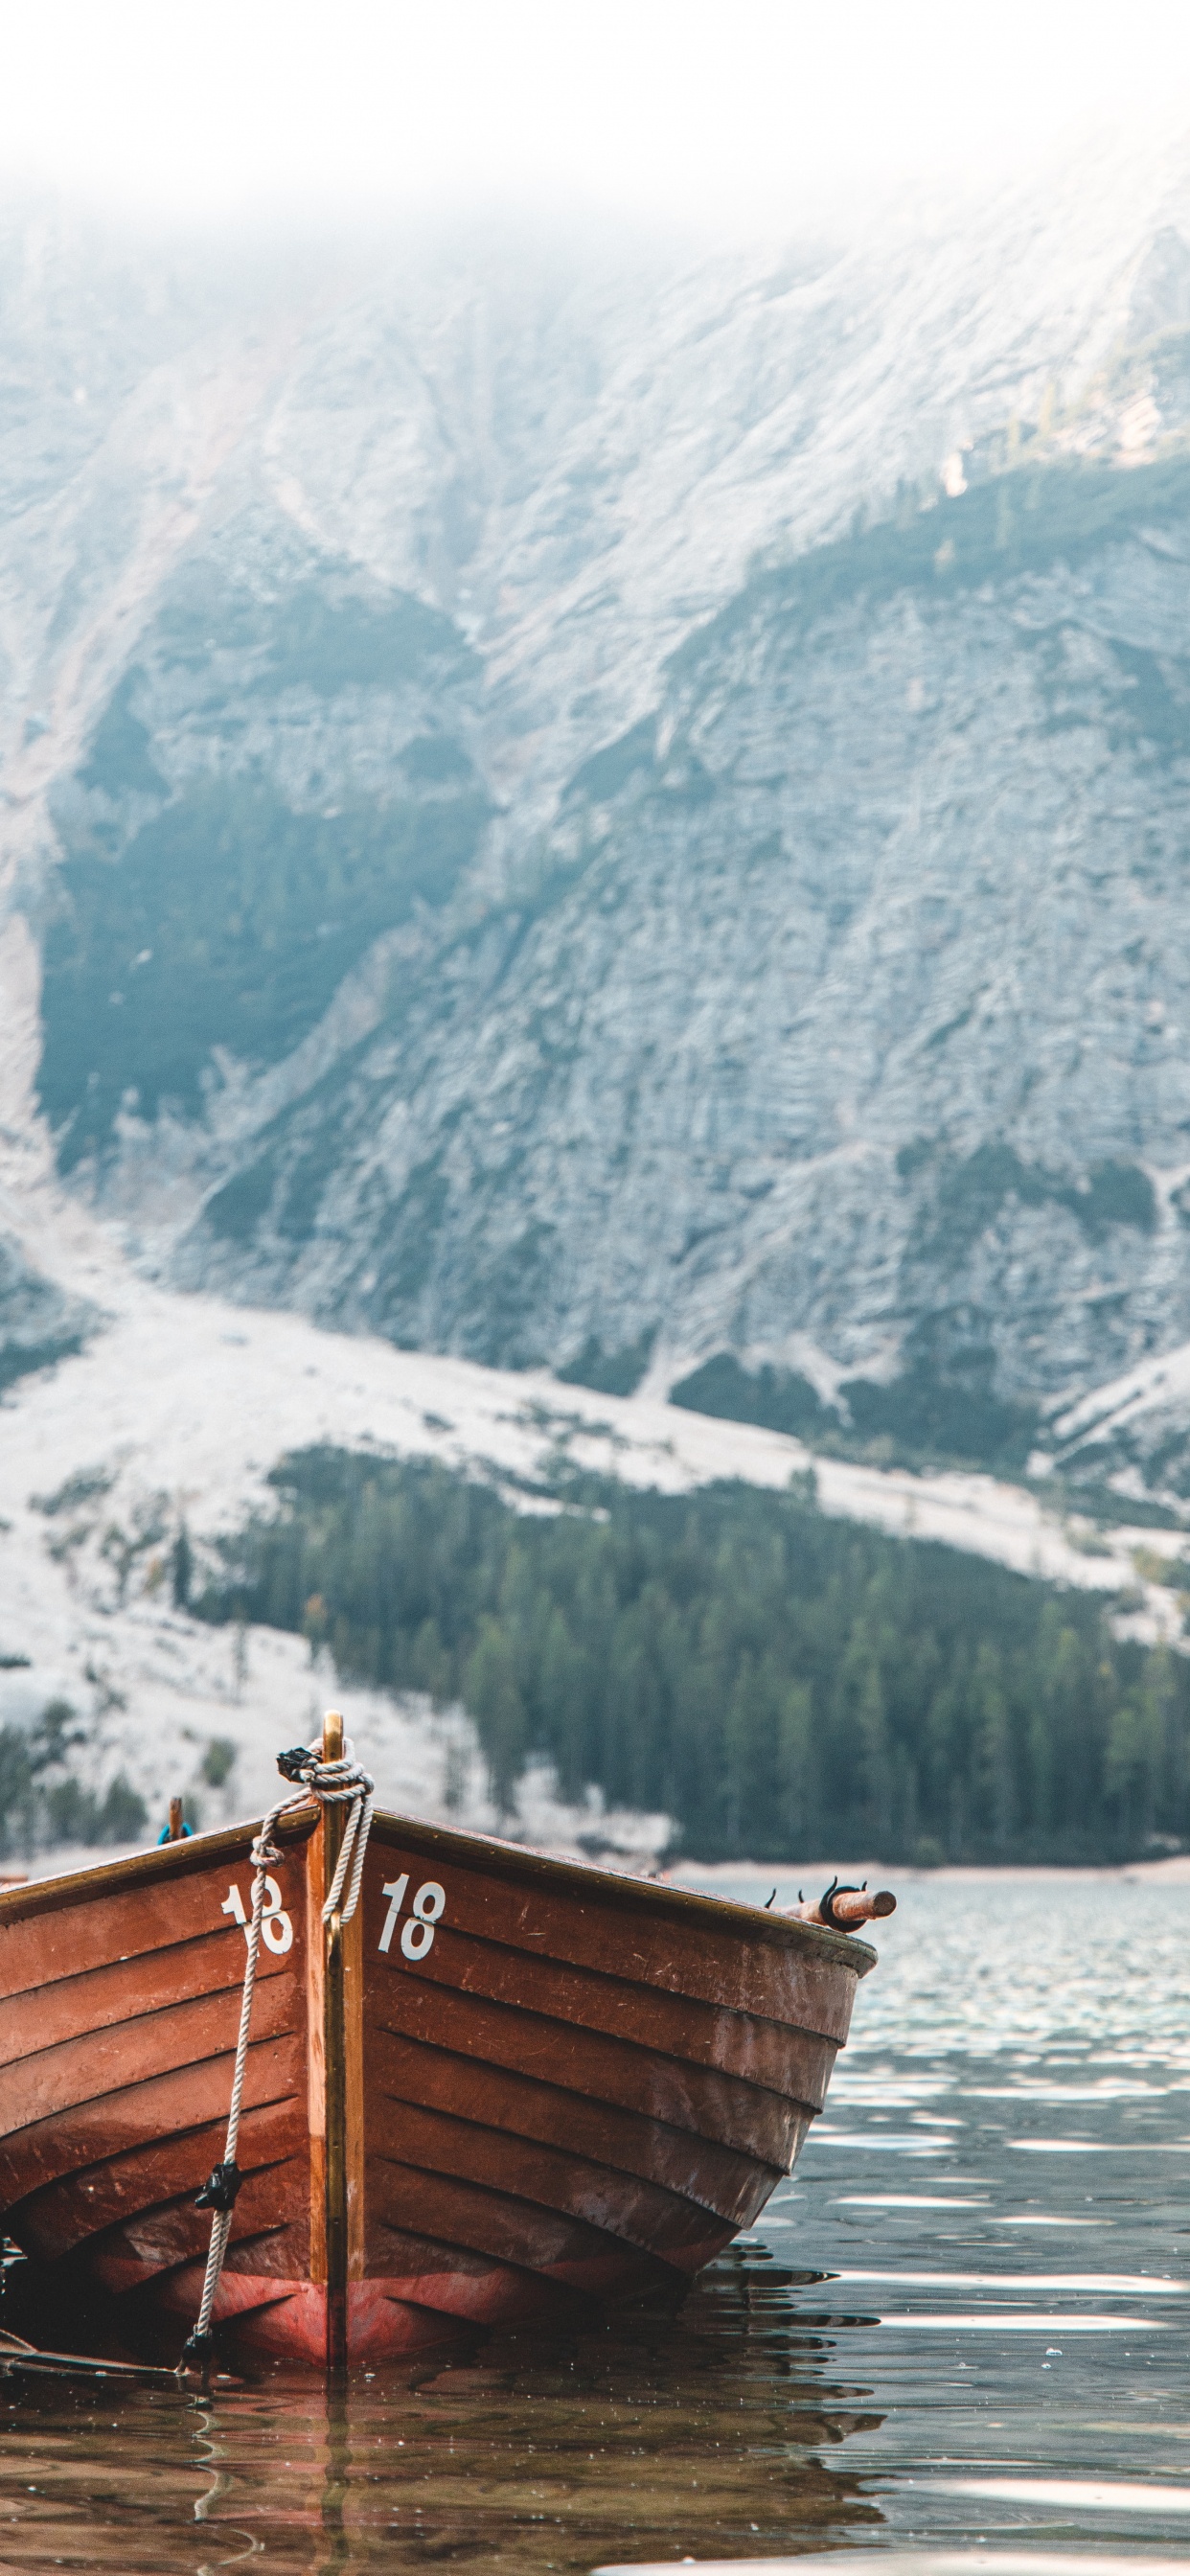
(848, 1029)
(39, 1321)
(631, 815)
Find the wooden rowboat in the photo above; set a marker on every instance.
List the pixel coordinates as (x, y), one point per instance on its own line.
(509, 2083)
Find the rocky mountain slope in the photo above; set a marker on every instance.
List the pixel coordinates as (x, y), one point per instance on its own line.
(578, 805)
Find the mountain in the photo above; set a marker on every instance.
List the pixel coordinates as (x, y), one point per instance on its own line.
(580, 804)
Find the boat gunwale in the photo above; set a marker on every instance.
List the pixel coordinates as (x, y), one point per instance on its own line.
(617, 1891)
(161, 1860)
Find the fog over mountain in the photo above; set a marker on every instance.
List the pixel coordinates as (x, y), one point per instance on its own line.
(567, 802)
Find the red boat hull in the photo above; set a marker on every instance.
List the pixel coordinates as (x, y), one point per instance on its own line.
(555, 2085)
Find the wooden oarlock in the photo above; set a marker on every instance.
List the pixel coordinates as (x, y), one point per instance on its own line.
(842, 1908)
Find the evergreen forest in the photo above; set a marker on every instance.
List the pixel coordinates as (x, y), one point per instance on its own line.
(42, 1800)
(784, 1684)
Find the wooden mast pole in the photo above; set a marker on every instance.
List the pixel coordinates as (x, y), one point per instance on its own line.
(335, 2063)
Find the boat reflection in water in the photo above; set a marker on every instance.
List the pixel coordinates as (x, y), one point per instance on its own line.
(711, 2435)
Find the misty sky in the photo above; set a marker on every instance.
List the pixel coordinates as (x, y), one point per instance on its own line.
(697, 110)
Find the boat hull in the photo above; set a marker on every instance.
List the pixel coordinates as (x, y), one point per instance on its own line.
(547, 2084)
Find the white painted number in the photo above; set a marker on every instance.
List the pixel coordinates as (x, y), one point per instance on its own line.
(395, 1891)
(274, 1922)
(417, 1932)
(417, 1936)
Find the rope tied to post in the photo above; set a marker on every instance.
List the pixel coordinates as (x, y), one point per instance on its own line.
(336, 1783)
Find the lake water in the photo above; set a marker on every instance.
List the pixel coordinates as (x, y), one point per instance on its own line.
(963, 2328)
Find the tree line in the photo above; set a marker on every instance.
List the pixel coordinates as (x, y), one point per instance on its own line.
(42, 1800)
(784, 1684)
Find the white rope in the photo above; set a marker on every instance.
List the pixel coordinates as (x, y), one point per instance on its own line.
(336, 1783)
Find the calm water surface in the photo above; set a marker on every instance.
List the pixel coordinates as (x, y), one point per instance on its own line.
(963, 2327)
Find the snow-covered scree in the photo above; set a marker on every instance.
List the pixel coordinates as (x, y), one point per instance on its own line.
(173, 1415)
(176, 1412)
(1133, 1431)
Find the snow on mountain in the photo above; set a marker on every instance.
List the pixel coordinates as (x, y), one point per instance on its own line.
(172, 1416)
(570, 806)
(1133, 1433)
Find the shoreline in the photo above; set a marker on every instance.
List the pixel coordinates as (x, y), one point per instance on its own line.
(1173, 1870)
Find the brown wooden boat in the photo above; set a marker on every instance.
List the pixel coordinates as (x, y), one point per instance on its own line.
(509, 2082)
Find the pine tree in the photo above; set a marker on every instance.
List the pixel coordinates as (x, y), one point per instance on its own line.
(492, 1693)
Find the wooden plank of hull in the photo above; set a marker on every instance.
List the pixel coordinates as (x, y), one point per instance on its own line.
(159, 2105)
(690, 1944)
(118, 2016)
(105, 1997)
(147, 1902)
(163, 2238)
(584, 2060)
(108, 2065)
(691, 2030)
(526, 2111)
(478, 2223)
(649, 2216)
(571, 2085)
(290, 2320)
(74, 2208)
(468, 2275)
(526, 2229)
(627, 2071)
(126, 2192)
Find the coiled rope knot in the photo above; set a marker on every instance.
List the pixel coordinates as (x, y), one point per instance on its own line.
(339, 1783)
(336, 1783)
